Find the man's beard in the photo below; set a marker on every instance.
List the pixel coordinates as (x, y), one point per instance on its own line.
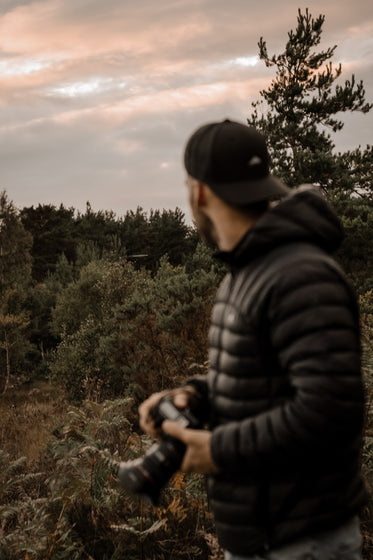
(205, 228)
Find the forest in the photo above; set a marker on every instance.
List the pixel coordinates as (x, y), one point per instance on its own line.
(97, 311)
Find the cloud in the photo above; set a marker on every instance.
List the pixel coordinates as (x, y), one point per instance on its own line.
(97, 98)
(84, 29)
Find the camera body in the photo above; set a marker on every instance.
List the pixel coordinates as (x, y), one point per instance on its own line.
(147, 475)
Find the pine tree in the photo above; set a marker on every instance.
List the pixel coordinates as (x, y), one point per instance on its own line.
(298, 114)
(300, 108)
(53, 232)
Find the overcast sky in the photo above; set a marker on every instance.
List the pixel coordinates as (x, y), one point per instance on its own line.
(97, 97)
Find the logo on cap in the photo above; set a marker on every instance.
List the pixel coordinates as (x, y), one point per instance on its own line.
(255, 160)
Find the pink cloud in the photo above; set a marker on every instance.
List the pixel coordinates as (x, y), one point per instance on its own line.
(43, 27)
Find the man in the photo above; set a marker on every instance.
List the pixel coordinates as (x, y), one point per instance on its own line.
(283, 394)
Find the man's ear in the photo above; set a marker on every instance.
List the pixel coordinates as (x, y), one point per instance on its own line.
(201, 194)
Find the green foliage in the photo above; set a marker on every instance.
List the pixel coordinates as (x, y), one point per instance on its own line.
(97, 227)
(79, 299)
(366, 311)
(168, 235)
(40, 302)
(53, 234)
(356, 250)
(15, 245)
(70, 253)
(127, 331)
(15, 278)
(12, 341)
(82, 238)
(78, 510)
(102, 309)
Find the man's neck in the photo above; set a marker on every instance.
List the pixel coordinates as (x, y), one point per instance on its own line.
(232, 229)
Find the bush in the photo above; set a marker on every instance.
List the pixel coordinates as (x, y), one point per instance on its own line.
(139, 334)
(76, 508)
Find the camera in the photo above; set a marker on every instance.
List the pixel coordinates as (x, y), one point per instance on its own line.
(147, 475)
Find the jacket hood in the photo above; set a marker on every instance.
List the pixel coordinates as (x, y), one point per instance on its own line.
(303, 216)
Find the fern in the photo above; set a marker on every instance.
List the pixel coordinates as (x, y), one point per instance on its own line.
(77, 510)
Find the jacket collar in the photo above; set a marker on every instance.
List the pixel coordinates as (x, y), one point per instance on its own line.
(303, 216)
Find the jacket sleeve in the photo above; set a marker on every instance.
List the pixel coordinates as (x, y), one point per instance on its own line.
(314, 334)
(199, 384)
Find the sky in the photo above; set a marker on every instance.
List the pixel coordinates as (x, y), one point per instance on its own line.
(98, 97)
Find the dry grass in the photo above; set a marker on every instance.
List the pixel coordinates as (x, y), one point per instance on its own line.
(28, 416)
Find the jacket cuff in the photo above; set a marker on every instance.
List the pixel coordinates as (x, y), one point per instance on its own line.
(202, 406)
(225, 445)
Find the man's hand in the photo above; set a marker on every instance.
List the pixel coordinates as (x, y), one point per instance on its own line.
(145, 420)
(180, 398)
(197, 457)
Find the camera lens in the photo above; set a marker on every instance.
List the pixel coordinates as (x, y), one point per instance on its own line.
(148, 475)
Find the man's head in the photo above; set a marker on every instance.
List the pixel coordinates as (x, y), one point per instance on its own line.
(232, 160)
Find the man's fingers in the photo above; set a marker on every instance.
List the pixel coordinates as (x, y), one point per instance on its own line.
(145, 420)
(181, 400)
(149, 403)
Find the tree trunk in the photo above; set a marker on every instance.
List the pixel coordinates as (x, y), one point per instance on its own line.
(6, 347)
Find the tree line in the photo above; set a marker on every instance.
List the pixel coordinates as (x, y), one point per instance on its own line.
(64, 274)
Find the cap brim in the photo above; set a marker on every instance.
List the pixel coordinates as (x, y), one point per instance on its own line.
(242, 193)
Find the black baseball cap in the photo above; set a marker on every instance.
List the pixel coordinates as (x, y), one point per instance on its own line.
(232, 159)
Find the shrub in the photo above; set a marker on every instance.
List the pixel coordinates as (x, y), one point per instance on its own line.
(140, 335)
(76, 509)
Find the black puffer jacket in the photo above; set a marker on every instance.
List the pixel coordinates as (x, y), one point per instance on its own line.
(284, 385)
